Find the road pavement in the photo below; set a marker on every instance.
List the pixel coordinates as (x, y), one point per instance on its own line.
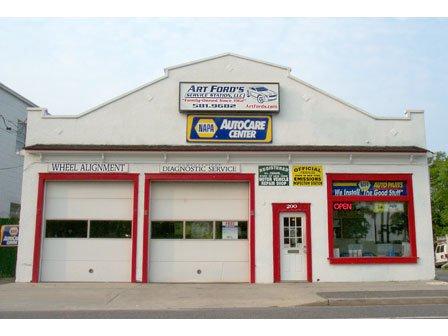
(402, 311)
(442, 274)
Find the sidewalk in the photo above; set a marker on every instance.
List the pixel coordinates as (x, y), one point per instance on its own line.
(108, 296)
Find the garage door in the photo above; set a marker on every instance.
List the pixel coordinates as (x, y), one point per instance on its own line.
(87, 231)
(199, 232)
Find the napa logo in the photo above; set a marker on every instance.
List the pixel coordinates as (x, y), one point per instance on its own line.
(206, 128)
(364, 185)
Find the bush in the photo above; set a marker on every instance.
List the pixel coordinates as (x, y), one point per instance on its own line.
(8, 255)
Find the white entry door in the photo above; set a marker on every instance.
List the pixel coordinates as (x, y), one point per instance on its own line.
(292, 246)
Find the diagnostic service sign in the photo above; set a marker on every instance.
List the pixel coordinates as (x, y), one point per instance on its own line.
(229, 129)
(9, 235)
(229, 97)
(307, 175)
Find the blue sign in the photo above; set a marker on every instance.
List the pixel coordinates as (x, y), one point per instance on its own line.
(229, 129)
(370, 188)
(9, 235)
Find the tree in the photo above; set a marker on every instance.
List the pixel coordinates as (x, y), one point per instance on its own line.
(438, 171)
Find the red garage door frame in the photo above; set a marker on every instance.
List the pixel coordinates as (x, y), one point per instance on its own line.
(44, 177)
(278, 208)
(232, 177)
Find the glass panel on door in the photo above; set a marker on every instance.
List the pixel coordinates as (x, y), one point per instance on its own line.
(292, 232)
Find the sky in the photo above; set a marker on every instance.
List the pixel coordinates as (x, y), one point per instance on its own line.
(383, 66)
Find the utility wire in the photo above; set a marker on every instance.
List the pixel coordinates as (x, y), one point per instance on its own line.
(11, 167)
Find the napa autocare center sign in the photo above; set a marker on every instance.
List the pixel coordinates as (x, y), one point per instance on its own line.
(229, 129)
(9, 235)
(369, 188)
(273, 176)
(229, 97)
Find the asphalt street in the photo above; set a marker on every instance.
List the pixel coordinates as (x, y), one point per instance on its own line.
(413, 311)
(441, 274)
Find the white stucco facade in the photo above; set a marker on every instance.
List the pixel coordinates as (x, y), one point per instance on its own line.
(308, 117)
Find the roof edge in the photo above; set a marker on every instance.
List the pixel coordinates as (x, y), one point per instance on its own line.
(17, 95)
(227, 148)
(224, 55)
(166, 70)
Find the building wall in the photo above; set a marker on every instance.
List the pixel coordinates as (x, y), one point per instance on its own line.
(12, 109)
(264, 197)
(307, 116)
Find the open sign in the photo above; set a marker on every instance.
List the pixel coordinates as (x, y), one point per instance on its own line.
(343, 206)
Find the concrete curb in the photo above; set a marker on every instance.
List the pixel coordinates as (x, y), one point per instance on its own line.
(382, 301)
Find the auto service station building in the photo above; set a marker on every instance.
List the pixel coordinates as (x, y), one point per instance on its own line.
(226, 169)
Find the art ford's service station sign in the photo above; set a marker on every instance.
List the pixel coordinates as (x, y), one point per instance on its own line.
(229, 129)
(232, 97)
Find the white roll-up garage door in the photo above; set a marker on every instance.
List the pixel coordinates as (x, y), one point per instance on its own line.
(177, 255)
(86, 233)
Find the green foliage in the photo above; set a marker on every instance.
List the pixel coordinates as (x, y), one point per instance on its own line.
(8, 255)
(438, 171)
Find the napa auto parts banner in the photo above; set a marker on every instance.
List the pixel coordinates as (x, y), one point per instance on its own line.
(229, 129)
(369, 188)
(232, 97)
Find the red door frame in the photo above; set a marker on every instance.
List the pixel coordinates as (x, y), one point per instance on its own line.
(231, 177)
(278, 208)
(409, 198)
(44, 177)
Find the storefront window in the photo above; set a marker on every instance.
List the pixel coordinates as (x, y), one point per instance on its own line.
(199, 230)
(371, 229)
(370, 218)
(167, 230)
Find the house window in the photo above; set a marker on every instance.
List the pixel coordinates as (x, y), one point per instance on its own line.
(371, 218)
(14, 210)
(20, 135)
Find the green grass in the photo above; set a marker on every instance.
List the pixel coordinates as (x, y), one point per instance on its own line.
(8, 255)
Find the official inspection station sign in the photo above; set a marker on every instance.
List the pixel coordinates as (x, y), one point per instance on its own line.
(9, 235)
(229, 97)
(273, 176)
(307, 175)
(229, 129)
